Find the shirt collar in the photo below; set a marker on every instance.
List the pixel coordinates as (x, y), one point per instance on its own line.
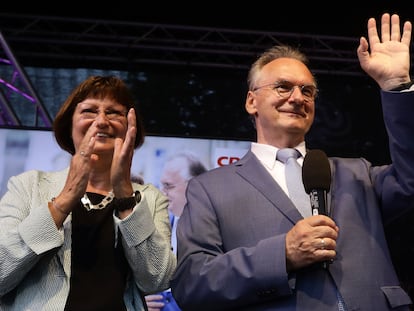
(267, 153)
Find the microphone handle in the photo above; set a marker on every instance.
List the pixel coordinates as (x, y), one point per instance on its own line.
(318, 200)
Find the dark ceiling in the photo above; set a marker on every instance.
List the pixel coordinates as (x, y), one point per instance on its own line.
(203, 34)
(337, 18)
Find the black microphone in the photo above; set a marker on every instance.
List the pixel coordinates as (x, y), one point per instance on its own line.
(316, 176)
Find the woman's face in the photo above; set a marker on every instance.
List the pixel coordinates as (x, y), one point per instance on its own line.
(105, 120)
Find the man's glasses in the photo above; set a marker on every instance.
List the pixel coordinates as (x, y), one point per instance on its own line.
(166, 186)
(285, 89)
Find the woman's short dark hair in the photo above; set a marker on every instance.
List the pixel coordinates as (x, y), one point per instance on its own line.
(97, 87)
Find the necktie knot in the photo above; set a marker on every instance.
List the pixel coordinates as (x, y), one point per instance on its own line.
(285, 154)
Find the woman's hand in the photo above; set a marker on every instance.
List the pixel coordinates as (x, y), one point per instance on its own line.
(122, 159)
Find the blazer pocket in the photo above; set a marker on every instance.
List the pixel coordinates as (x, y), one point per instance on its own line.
(396, 296)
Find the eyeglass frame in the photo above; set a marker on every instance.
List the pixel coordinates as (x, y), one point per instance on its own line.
(166, 187)
(276, 85)
(110, 114)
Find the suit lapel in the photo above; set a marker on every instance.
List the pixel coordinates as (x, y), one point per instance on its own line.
(254, 173)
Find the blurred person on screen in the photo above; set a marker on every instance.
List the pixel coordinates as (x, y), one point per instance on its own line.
(177, 171)
(86, 237)
(16, 146)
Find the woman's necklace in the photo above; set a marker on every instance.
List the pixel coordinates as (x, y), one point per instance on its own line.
(101, 205)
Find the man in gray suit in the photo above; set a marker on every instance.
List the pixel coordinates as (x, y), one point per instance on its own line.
(242, 243)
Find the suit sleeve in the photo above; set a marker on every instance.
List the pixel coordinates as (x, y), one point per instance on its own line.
(395, 185)
(229, 278)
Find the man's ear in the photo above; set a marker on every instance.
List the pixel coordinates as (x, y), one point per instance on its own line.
(250, 104)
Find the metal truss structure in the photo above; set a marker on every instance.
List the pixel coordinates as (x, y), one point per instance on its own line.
(46, 41)
(61, 41)
(16, 84)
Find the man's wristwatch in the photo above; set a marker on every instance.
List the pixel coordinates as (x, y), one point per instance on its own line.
(122, 204)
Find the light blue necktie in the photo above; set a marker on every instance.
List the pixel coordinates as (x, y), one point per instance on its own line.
(293, 175)
(297, 193)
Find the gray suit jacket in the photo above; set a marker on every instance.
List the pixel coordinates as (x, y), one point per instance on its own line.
(231, 235)
(35, 257)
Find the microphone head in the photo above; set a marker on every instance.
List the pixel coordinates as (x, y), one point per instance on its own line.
(316, 171)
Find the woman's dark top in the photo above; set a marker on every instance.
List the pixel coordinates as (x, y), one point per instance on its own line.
(99, 268)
